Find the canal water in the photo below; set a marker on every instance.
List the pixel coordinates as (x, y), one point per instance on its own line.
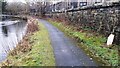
(10, 34)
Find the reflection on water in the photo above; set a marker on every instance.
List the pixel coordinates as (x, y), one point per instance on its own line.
(15, 33)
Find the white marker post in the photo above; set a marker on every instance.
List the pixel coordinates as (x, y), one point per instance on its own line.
(110, 39)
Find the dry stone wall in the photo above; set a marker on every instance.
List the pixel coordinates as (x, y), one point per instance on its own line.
(102, 20)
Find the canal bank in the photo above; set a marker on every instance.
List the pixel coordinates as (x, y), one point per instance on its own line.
(34, 50)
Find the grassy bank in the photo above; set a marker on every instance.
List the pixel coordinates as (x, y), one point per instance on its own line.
(38, 50)
(92, 44)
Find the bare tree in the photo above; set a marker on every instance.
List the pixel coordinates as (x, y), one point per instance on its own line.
(16, 7)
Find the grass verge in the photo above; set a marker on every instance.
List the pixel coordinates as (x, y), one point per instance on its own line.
(39, 53)
(92, 44)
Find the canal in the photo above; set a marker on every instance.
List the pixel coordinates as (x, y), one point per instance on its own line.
(11, 32)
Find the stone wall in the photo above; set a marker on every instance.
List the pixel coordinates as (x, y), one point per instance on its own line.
(101, 20)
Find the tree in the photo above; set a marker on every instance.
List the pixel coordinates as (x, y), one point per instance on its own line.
(4, 4)
(16, 7)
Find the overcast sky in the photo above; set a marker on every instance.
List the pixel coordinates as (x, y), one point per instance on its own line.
(24, 1)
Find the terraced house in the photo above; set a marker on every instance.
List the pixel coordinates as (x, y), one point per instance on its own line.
(72, 4)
